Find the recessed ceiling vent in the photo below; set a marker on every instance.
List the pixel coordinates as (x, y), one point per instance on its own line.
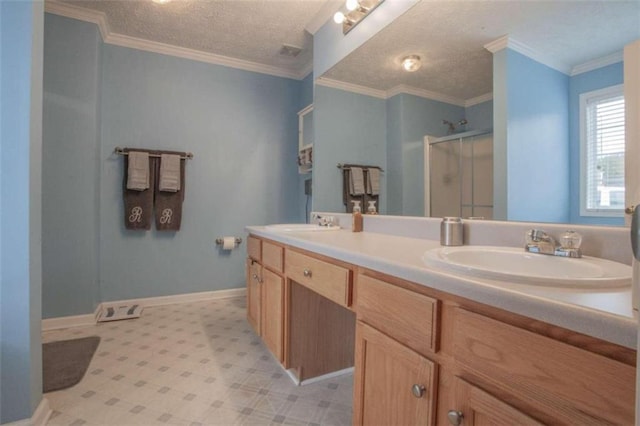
(288, 50)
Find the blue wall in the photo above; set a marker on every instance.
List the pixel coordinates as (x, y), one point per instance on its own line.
(586, 82)
(71, 192)
(21, 35)
(479, 116)
(409, 119)
(349, 128)
(535, 107)
(241, 127)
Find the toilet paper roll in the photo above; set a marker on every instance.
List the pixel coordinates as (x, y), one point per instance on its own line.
(228, 243)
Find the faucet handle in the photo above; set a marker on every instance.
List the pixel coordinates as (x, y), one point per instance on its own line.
(570, 240)
(536, 235)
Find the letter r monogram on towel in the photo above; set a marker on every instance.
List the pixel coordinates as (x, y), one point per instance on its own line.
(136, 214)
(166, 216)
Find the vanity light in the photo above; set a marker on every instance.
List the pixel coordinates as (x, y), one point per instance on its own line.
(356, 11)
(411, 63)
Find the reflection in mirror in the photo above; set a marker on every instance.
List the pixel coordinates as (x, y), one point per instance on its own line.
(526, 89)
(459, 175)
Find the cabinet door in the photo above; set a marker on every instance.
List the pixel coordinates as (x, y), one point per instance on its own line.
(272, 312)
(393, 384)
(477, 407)
(254, 276)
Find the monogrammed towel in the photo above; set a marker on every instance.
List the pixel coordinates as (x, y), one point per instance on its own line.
(169, 204)
(138, 205)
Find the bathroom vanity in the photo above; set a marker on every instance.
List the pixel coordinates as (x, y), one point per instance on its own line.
(430, 347)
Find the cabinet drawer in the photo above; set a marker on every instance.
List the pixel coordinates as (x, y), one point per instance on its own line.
(409, 317)
(570, 384)
(254, 248)
(326, 279)
(272, 256)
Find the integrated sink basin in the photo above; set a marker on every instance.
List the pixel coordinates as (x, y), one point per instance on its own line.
(300, 227)
(515, 265)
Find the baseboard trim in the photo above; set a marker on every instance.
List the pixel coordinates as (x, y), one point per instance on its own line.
(68, 322)
(294, 378)
(40, 417)
(90, 319)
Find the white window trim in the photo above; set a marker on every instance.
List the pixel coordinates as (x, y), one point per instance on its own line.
(605, 92)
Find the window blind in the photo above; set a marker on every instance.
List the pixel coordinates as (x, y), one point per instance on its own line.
(604, 133)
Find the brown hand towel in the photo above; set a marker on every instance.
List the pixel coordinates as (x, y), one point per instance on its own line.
(169, 204)
(138, 205)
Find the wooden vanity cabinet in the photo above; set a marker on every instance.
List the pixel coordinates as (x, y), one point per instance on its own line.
(393, 384)
(486, 365)
(265, 293)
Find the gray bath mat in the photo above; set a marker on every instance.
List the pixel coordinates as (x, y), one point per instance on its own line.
(65, 362)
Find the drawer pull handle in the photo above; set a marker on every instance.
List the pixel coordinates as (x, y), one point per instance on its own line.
(255, 277)
(455, 417)
(307, 273)
(418, 390)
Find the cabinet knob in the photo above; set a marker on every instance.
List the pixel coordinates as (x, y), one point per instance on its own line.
(307, 272)
(455, 417)
(418, 390)
(255, 277)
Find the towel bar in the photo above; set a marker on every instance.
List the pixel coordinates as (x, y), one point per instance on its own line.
(121, 151)
(220, 240)
(362, 166)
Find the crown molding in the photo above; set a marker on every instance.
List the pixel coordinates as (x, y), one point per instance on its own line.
(109, 37)
(349, 87)
(434, 96)
(598, 63)
(478, 99)
(508, 42)
(402, 89)
(71, 11)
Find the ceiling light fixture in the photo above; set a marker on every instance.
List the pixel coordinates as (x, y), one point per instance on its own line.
(161, 1)
(355, 11)
(411, 63)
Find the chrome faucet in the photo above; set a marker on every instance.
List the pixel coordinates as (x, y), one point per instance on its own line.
(538, 241)
(327, 221)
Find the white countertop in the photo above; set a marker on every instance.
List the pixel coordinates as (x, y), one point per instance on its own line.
(605, 314)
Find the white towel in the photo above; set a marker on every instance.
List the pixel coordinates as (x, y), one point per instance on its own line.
(138, 171)
(373, 182)
(169, 173)
(356, 181)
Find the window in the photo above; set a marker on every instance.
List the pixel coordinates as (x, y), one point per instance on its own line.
(602, 152)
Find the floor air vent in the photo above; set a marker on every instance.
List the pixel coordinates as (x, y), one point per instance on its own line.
(119, 312)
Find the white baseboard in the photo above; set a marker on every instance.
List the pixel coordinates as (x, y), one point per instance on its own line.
(40, 417)
(90, 319)
(294, 378)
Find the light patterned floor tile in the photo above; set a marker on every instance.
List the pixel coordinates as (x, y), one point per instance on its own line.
(191, 364)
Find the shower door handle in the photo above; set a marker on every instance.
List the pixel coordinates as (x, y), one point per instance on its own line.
(635, 229)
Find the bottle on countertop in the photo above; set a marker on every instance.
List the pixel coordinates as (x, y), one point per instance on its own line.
(372, 208)
(356, 218)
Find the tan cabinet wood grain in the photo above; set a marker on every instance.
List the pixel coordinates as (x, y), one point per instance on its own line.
(273, 256)
(476, 407)
(254, 274)
(254, 248)
(272, 312)
(327, 279)
(393, 384)
(410, 317)
(571, 385)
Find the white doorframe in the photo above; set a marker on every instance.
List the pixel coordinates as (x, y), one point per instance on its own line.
(632, 163)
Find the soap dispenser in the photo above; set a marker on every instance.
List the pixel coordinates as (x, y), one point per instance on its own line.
(372, 207)
(356, 219)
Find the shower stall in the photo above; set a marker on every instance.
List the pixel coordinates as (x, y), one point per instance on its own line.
(459, 175)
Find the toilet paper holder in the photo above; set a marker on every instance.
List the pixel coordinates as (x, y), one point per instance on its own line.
(220, 241)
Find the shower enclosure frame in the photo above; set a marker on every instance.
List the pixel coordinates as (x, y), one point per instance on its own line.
(429, 142)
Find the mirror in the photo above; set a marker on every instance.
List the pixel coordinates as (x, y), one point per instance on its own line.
(367, 111)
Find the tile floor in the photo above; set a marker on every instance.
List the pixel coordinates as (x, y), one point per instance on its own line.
(191, 364)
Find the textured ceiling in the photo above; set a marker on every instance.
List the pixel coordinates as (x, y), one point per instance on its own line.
(449, 36)
(250, 30)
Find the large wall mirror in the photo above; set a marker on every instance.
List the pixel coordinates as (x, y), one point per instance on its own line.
(514, 68)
